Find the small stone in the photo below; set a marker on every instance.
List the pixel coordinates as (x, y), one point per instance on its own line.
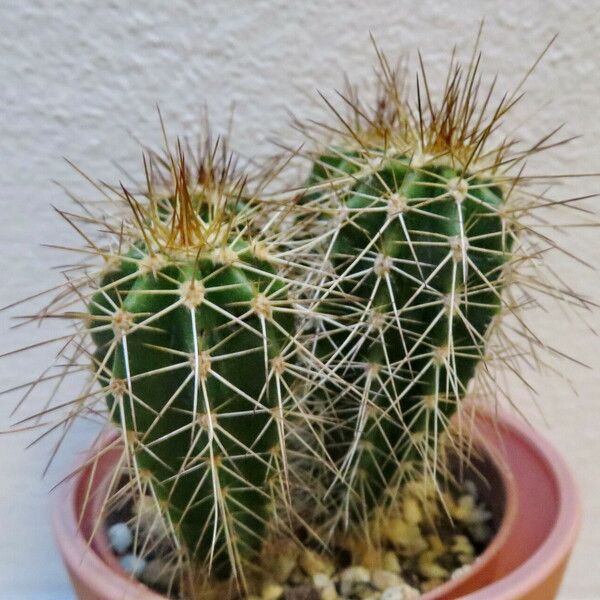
(397, 530)
(471, 488)
(467, 511)
(391, 562)
(321, 580)
(368, 556)
(464, 508)
(431, 584)
(272, 591)
(325, 586)
(120, 537)
(132, 564)
(405, 535)
(480, 532)
(350, 577)
(302, 592)
(412, 511)
(429, 568)
(382, 579)
(460, 571)
(284, 563)
(297, 577)
(400, 592)
(329, 593)
(462, 547)
(436, 544)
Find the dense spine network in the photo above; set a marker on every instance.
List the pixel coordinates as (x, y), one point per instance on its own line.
(190, 325)
(282, 364)
(427, 224)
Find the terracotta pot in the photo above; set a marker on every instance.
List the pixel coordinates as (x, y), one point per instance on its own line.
(533, 497)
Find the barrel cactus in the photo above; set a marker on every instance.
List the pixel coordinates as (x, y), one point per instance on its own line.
(189, 332)
(421, 253)
(192, 322)
(423, 216)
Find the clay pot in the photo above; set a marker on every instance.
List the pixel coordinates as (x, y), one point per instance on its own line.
(532, 495)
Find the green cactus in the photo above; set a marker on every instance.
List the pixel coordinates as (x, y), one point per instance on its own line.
(420, 236)
(192, 332)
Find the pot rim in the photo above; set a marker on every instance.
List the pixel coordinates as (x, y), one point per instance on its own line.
(550, 554)
(81, 556)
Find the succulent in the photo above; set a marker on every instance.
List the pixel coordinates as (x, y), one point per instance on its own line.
(192, 339)
(424, 217)
(190, 326)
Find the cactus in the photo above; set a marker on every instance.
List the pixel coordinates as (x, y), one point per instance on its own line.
(192, 321)
(189, 328)
(423, 249)
(280, 369)
(423, 229)
(192, 328)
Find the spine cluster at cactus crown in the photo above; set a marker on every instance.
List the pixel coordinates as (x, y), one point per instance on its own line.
(281, 364)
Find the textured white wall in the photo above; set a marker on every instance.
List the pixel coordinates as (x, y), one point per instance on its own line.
(77, 76)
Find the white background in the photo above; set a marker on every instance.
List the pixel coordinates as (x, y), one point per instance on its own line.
(80, 79)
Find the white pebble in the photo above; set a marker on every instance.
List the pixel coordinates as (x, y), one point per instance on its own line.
(400, 592)
(325, 586)
(120, 537)
(352, 576)
(132, 564)
(471, 488)
(321, 580)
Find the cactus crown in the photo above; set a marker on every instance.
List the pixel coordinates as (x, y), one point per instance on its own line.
(200, 204)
